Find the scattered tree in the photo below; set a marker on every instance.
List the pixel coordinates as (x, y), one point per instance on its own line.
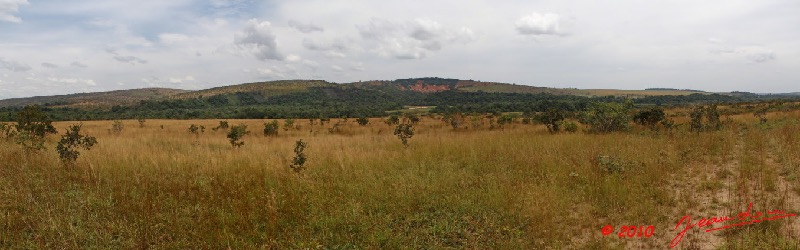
(762, 115)
(363, 121)
(607, 117)
(288, 124)
(300, 157)
(32, 128)
(552, 118)
(222, 125)
(404, 131)
(649, 117)
(71, 141)
(271, 128)
(117, 127)
(236, 133)
(392, 120)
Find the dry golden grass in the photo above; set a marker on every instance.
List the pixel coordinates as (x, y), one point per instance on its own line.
(515, 188)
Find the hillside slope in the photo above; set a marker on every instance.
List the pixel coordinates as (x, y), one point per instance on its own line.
(97, 99)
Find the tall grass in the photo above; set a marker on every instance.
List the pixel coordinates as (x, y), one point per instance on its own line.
(516, 188)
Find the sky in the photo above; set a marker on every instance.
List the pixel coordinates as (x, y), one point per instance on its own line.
(53, 47)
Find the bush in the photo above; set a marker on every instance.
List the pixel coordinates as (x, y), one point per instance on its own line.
(32, 128)
(271, 128)
(117, 127)
(392, 120)
(404, 131)
(70, 142)
(222, 125)
(552, 118)
(141, 122)
(363, 121)
(288, 124)
(650, 117)
(300, 157)
(571, 127)
(196, 130)
(236, 133)
(607, 117)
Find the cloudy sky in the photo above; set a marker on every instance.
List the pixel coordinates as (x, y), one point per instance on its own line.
(68, 46)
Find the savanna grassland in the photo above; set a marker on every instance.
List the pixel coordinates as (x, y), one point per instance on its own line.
(520, 187)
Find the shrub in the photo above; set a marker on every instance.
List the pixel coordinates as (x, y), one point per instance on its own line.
(552, 118)
(196, 130)
(71, 141)
(222, 125)
(606, 117)
(271, 128)
(300, 157)
(141, 122)
(696, 116)
(236, 133)
(32, 128)
(363, 121)
(649, 117)
(762, 115)
(392, 120)
(571, 127)
(404, 131)
(7, 131)
(287, 124)
(117, 127)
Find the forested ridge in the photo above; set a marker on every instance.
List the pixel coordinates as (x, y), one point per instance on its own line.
(320, 99)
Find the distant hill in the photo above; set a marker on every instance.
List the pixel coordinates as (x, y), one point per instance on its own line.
(99, 99)
(273, 88)
(410, 89)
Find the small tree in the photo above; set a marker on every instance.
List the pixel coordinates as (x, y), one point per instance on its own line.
(392, 120)
(762, 115)
(696, 116)
(222, 125)
(607, 117)
(71, 141)
(141, 122)
(404, 131)
(363, 121)
(300, 157)
(649, 117)
(117, 127)
(271, 128)
(712, 117)
(288, 124)
(552, 118)
(570, 127)
(32, 128)
(196, 130)
(236, 133)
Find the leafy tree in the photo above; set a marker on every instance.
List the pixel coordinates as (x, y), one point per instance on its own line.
(607, 117)
(32, 128)
(712, 117)
(271, 128)
(288, 124)
(762, 115)
(363, 121)
(552, 118)
(222, 125)
(236, 133)
(32, 120)
(71, 141)
(300, 157)
(696, 116)
(392, 120)
(649, 117)
(404, 131)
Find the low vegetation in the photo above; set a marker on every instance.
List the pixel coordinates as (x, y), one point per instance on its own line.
(464, 186)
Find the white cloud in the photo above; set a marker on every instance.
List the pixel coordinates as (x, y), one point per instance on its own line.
(414, 39)
(305, 27)
(8, 9)
(258, 38)
(49, 65)
(540, 24)
(78, 65)
(88, 82)
(130, 59)
(181, 79)
(753, 54)
(13, 65)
